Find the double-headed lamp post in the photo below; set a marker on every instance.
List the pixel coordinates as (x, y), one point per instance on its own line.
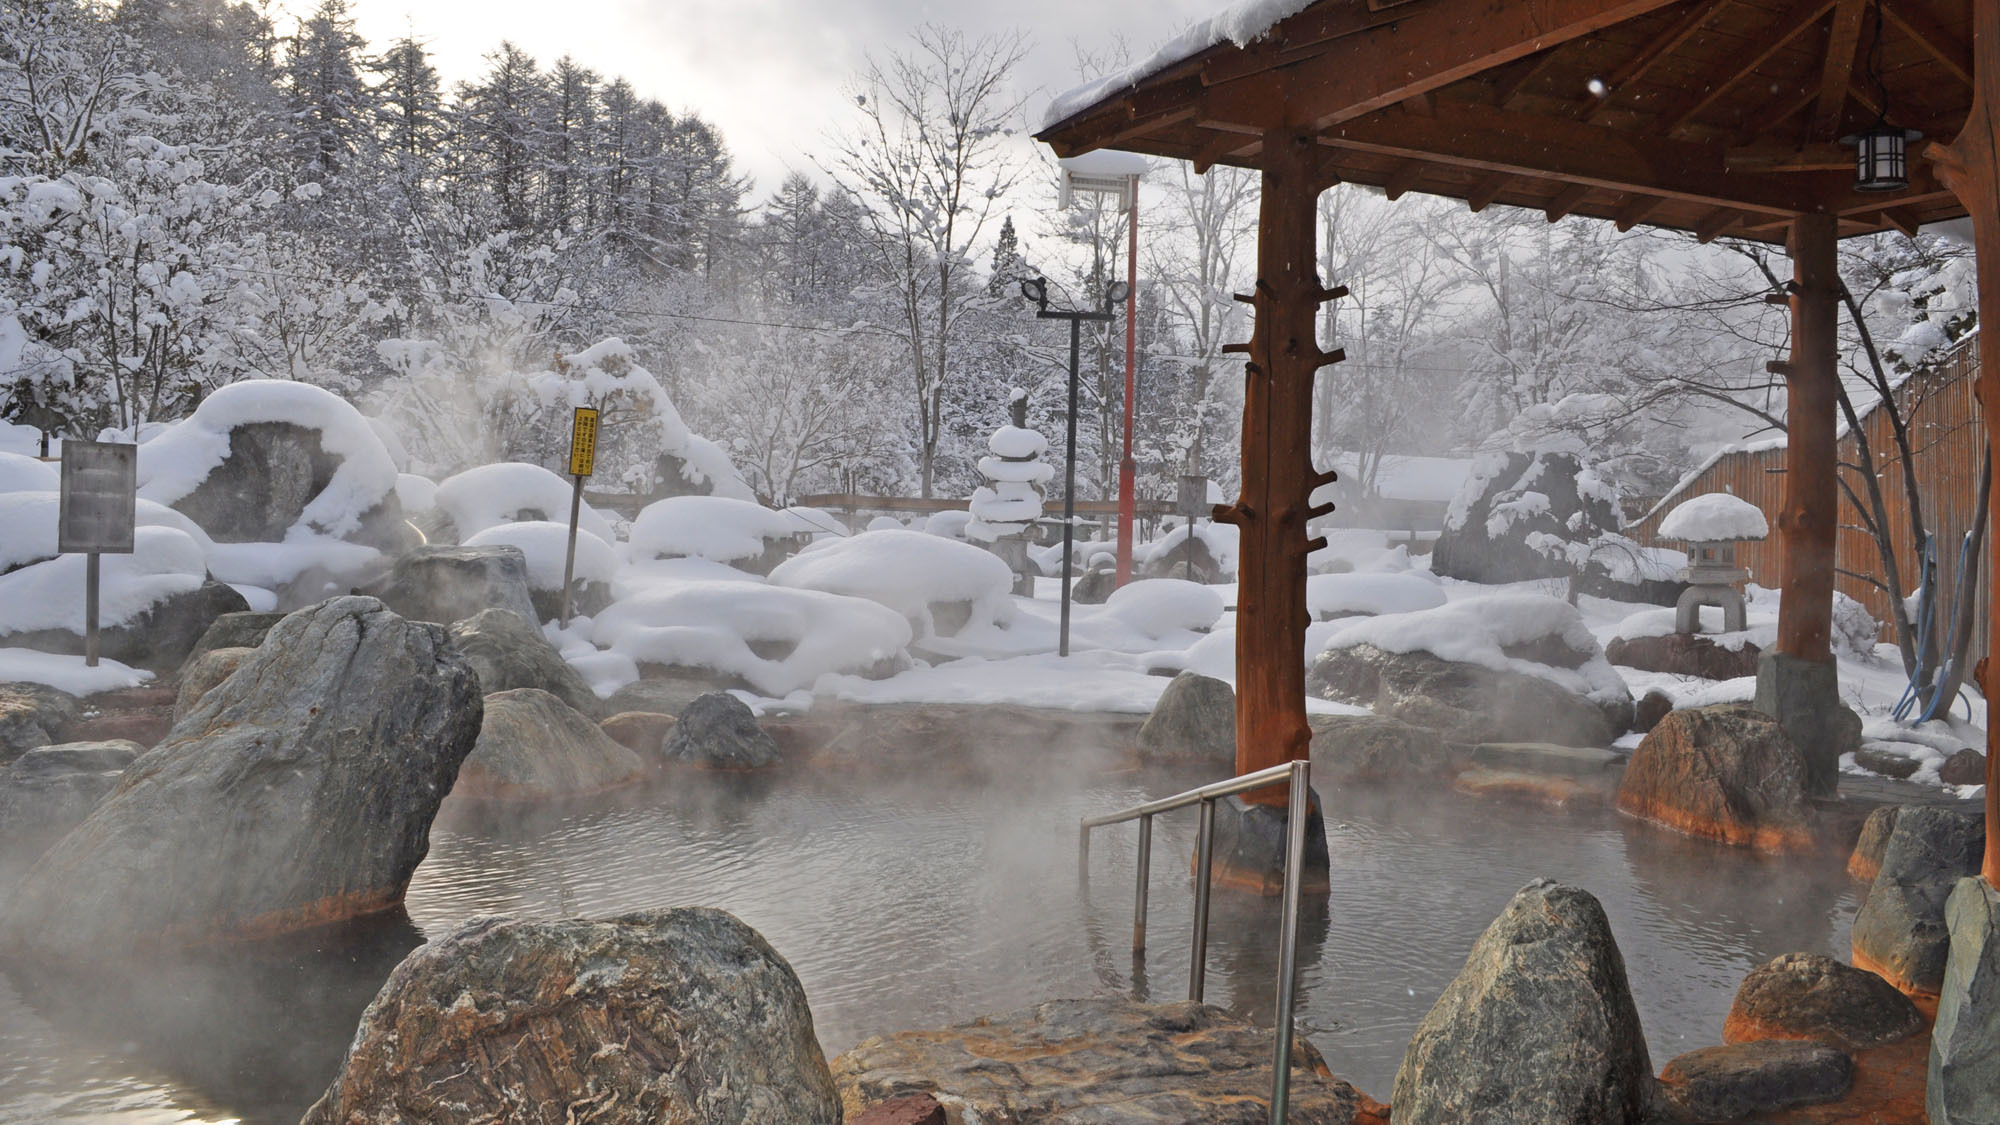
(1117, 174)
(1037, 290)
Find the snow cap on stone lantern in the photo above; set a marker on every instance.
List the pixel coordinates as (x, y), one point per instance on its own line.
(1711, 526)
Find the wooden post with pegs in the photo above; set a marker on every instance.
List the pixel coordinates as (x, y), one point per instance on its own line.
(1278, 475)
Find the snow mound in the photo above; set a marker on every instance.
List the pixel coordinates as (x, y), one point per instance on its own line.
(635, 578)
(49, 595)
(175, 463)
(28, 520)
(25, 441)
(416, 493)
(1762, 630)
(509, 492)
(1715, 518)
(271, 565)
(1013, 441)
(907, 571)
(1480, 630)
(1341, 595)
(715, 528)
(1361, 550)
(947, 525)
(20, 473)
(546, 544)
(1222, 540)
(777, 639)
(886, 523)
(67, 673)
(1162, 607)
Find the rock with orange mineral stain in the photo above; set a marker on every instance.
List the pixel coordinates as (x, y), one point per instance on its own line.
(1900, 929)
(1813, 996)
(1726, 773)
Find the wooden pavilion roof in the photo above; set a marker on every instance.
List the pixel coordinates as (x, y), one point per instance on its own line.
(1711, 116)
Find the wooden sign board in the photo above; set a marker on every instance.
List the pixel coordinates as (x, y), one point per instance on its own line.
(100, 489)
(1193, 498)
(583, 442)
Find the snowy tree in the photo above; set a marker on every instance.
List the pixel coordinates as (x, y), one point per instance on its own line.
(330, 105)
(931, 162)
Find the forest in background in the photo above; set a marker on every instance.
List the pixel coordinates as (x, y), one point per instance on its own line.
(194, 193)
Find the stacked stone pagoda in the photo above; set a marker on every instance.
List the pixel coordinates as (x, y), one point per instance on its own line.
(1006, 511)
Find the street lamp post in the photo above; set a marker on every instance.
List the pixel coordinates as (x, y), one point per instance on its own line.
(1037, 290)
(1117, 174)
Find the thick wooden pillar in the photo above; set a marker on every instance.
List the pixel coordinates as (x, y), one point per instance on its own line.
(1278, 475)
(1807, 525)
(1970, 167)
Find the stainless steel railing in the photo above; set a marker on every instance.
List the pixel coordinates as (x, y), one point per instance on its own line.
(1299, 773)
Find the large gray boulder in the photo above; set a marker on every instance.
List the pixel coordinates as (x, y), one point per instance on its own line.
(1195, 720)
(509, 652)
(533, 745)
(1733, 1082)
(1900, 929)
(718, 731)
(447, 584)
(681, 1015)
(1539, 1028)
(33, 715)
(51, 789)
(1964, 1082)
(1106, 1060)
(1728, 773)
(1368, 748)
(297, 793)
(1467, 702)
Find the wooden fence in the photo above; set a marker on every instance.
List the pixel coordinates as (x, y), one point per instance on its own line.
(1946, 440)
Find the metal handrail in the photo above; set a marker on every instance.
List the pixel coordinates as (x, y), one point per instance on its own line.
(1299, 773)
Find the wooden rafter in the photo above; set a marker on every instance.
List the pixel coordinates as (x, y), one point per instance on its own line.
(1953, 52)
(1635, 68)
(1402, 178)
(1219, 146)
(1517, 75)
(1837, 72)
(1636, 210)
(1565, 201)
(1711, 88)
(1716, 223)
(1487, 190)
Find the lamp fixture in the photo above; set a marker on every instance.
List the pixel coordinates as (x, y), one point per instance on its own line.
(1881, 151)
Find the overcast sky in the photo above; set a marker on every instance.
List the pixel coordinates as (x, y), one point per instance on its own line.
(771, 74)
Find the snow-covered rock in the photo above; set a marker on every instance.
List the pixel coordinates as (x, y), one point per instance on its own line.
(1715, 518)
(512, 492)
(1160, 608)
(546, 546)
(1348, 595)
(29, 522)
(777, 639)
(22, 473)
(915, 574)
(238, 467)
(734, 532)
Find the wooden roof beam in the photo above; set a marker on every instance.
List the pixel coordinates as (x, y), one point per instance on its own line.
(1636, 210)
(1710, 89)
(1903, 219)
(1635, 68)
(1837, 72)
(1715, 224)
(1953, 51)
(1219, 146)
(1401, 179)
(1516, 76)
(1486, 190)
(1431, 46)
(1561, 148)
(1565, 201)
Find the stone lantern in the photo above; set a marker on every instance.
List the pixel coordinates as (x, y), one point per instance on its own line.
(1712, 526)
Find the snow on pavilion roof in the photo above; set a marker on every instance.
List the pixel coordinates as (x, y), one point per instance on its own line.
(1712, 116)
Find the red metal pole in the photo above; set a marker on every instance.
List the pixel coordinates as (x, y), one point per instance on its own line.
(1128, 468)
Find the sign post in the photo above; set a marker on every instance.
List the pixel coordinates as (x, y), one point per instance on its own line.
(582, 462)
(100, 489)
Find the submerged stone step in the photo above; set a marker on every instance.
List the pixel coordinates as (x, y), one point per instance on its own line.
(1545, 757)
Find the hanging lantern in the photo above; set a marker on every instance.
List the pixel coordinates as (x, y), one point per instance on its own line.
(1881, 157)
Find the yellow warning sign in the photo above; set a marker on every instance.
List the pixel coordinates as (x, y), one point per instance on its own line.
(583, 442)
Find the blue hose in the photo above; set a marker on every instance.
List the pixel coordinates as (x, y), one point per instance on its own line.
(1926, 587)
(1951, 637)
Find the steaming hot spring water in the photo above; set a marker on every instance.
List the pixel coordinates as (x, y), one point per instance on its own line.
(916, 899)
